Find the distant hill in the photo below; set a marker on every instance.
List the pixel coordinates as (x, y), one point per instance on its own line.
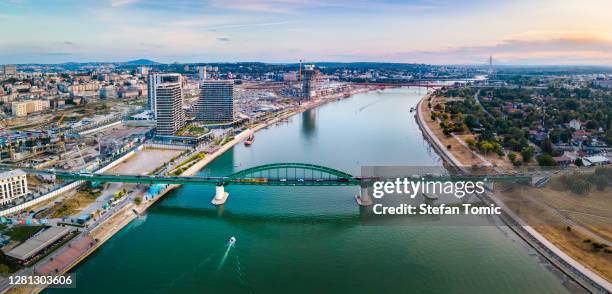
(141, 62)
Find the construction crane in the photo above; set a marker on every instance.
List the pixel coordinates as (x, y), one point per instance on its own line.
(300, 70)
(59, 122)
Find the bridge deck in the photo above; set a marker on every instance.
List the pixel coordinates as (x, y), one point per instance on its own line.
(353, 181)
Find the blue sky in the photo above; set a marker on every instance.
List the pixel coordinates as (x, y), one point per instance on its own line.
(423, 31)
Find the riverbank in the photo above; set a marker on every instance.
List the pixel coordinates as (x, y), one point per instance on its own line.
(581, 274)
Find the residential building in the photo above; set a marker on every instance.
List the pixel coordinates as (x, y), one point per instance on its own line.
(595, 160)
(216, 102)
(108, 92)
(290, 76)
(142, 70)
(575, 124)
(155, 79)
(23, 108)
(169, 106)
(309, 77)
(202, 73)
(13, 184)
(10, 69)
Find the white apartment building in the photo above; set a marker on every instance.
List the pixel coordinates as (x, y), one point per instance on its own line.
(13, 184)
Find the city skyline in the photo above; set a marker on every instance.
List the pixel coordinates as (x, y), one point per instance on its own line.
(543, 32)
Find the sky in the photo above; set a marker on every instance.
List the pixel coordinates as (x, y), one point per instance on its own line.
(514, 32)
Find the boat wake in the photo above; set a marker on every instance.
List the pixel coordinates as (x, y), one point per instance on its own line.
(230, 245)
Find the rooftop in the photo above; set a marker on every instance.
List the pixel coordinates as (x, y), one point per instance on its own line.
(11, 174)
(37, 243)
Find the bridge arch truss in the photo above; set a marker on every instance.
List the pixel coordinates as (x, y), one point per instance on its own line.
(290, 174)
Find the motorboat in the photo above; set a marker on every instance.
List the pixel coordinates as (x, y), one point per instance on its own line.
(249, 140)
(232, 241)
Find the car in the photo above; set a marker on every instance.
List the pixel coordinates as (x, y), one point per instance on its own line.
(283, 180)
(343, 180)
(300, 180)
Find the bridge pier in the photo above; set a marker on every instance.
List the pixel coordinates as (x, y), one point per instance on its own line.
(364, 198)
(220, 195)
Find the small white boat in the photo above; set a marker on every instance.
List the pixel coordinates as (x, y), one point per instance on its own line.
(232, 241)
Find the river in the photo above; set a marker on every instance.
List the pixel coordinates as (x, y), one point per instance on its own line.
(312, 239)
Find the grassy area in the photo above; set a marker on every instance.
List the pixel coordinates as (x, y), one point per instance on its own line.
(567, 219)
(22, 233)
(158, 169)
(7, 265)
(72, 204)
(188, 163)
(584, 183)
(192, 131)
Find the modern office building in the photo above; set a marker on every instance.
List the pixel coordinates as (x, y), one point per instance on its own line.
(216, 103)
(169, 107)
(153, 81)
(309, 76)
(13, 184)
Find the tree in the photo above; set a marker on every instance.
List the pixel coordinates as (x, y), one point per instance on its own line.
(600, 181)
(470, 142)
(578, 162)
(546, 160)
(527, 153)
(512, 156)
(581, 186)
(592, 125)
(471, 121)
(486, 146)
(547, 147)
(572, 104)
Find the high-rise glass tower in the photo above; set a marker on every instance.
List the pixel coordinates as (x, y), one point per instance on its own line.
(169, 106)
(216, 102)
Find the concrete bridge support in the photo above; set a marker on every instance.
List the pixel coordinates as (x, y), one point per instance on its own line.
(220, 195)
(364, 198)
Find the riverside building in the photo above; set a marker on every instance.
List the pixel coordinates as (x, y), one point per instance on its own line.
(13, 184)
(216, 102)
(153, 81)
(309, 77)
(169, 107)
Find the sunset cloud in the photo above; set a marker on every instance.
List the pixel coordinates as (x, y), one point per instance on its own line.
(423, 31)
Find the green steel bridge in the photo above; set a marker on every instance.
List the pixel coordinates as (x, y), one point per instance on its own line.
(275, 174)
